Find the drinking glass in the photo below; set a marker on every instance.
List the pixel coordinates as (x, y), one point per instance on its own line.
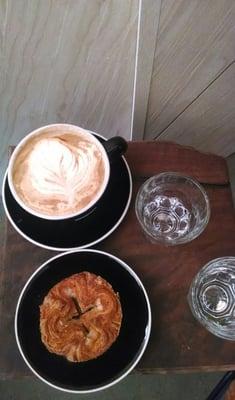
(212, 297)
(172, 208)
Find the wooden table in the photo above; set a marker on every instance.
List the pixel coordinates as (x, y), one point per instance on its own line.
(178, 342)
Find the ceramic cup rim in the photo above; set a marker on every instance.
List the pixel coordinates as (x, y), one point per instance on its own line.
(38, 131)
(185, 239)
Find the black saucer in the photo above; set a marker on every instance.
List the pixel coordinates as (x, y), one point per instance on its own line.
(83, 231)
(119, 359)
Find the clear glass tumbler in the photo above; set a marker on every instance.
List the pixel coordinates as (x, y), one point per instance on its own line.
(172, 208)
(212, 297)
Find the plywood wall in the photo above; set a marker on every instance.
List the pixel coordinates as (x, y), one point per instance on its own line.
(147, 69)
(66, 61)
(192, 95)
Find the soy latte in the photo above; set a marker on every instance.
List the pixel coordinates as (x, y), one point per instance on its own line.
(57, 173)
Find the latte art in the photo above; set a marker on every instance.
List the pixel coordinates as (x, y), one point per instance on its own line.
(59, 174)
(65, 171)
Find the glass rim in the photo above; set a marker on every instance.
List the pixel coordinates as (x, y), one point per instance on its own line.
(198, 185)
(194, 307)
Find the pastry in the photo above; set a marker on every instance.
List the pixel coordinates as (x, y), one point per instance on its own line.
(80, 317)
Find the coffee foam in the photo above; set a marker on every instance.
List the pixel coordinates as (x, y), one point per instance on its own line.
(58, 174)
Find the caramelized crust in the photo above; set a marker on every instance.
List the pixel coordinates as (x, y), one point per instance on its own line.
(80, 317)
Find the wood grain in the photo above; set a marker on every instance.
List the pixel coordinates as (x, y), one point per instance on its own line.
(177, 342)
(66, 61)
(231, 168)
(149, 13)
(195, 45)
(156, 157)
(208, 123)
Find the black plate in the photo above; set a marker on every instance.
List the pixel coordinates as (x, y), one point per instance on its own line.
(83, 231)
(119, 359)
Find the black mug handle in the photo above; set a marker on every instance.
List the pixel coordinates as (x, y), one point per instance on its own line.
(115, 147)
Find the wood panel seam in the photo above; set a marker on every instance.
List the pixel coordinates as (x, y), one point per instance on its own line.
(136, 66)
(195, 99)
(158, 29)
(148, 24)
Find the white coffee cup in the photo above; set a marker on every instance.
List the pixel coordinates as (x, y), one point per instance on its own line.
(63, 166)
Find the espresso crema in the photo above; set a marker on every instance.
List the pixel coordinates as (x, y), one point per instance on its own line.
(58, 174)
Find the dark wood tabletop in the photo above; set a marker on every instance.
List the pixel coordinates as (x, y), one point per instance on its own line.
(178, 342)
